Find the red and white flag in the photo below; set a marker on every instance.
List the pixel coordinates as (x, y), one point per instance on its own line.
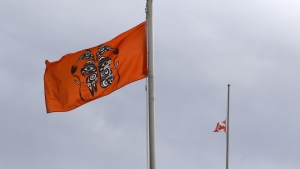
(221, 126)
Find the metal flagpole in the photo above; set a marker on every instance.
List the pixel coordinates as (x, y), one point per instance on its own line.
(227, 129)
(151, 105)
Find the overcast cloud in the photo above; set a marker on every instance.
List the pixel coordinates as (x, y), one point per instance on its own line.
(199, 48)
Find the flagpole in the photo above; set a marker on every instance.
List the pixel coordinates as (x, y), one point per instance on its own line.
(227, 129)
(151, 106)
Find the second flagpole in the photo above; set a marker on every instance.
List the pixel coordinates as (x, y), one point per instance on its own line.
(227, 129)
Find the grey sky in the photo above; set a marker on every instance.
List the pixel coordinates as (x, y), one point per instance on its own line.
(199, 47)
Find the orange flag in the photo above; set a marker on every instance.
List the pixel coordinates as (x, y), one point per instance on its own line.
(78, 78)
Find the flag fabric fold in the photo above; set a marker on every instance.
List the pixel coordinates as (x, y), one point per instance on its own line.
(80, 77)
(221, 126)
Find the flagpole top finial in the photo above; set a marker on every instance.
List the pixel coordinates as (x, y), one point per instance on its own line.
(228, 84)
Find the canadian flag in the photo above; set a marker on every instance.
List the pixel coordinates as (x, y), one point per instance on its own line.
(221, 126)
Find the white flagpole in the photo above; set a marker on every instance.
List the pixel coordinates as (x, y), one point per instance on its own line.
(227, 129)
(151, 106)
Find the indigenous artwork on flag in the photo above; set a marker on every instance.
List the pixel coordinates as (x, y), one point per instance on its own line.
(80, 77)
(221, 127)
(89, 67)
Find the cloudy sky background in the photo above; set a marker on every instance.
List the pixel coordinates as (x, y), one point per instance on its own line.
(199, 48)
